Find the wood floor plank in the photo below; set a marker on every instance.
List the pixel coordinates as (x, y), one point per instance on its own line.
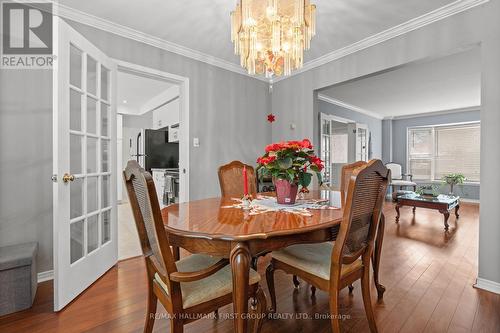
(428, 274)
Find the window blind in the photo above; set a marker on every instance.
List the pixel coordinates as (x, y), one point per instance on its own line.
(437, 151)
(457, 150)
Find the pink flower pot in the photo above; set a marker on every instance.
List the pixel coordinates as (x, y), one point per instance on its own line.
(286, 193)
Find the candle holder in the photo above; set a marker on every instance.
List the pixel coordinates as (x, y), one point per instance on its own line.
(246, 201)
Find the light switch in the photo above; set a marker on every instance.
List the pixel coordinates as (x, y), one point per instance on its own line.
(196, 142)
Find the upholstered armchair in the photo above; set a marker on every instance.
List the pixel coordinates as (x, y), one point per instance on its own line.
(399, 181)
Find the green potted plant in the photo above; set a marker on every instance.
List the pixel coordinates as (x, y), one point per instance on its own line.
(453, 179)
(428, 190)
(290, 164)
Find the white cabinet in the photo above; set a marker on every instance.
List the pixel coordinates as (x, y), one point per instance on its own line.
(166, 115)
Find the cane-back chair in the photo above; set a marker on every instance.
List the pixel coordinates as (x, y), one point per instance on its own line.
(231, 180)
(333, 266)
(191, 287)
(347, 171)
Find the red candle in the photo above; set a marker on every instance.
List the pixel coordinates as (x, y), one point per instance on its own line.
(245, 181)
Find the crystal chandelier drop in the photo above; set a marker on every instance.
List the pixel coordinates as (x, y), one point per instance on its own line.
(270, 36)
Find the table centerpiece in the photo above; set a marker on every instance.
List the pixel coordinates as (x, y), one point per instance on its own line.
(290, 164)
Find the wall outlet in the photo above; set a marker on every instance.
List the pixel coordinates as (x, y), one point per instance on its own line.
(196, 142)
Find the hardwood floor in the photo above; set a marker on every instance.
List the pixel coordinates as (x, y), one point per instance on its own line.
(428, 275)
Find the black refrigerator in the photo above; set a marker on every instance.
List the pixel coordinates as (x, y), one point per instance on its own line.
(159, 153)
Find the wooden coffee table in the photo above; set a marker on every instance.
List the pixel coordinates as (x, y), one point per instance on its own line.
(443, 203)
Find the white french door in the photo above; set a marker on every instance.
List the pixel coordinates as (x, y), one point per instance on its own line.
(362, 137)
(85, 175)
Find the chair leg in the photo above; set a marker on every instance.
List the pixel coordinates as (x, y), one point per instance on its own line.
(176, 326)
(367, 300)
(270, 286)
(296, 282)
(313, 291)
(334, 311)
(351, 288)
(260, 309)
(176, 252)
(151, 311)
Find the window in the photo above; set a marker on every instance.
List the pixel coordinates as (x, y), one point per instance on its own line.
(439, 150)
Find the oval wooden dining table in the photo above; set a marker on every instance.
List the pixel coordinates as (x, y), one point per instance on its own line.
(205, 226)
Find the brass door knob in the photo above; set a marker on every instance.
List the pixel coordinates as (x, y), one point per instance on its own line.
(68, 178)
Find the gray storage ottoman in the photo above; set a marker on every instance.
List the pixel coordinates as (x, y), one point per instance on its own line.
(18, 277)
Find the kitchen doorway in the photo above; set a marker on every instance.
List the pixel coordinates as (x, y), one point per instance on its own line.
(153, 125)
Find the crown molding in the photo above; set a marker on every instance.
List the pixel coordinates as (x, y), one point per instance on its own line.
(334, 101)
(96, 22)
(435, 113)
(438, 14)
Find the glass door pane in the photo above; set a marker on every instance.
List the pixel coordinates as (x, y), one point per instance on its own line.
(90, 154)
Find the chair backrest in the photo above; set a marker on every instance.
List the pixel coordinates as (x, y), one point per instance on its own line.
(148, 220)
(396, 170)
(231, 180)
(366, 194)
(347, 171)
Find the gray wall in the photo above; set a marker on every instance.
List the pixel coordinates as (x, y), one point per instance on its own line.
(26, 160)
(293, 98)
(227, 112)
(387, 140)
(399, 144)
(489, 226)
(374, 124)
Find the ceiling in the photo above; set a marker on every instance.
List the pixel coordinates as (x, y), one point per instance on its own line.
(134, 91)
(204, 25)
(447, 83)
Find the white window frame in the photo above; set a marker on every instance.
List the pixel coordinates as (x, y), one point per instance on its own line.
(434, 148)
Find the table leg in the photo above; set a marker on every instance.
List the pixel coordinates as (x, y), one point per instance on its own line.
(414, 209)
(446, 214)
(240, 265)
(398, 214)
(457, 207)
(376, 256)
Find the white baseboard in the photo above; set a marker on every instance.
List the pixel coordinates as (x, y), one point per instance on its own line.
(45, 276)
(470, 200)
(487, 285)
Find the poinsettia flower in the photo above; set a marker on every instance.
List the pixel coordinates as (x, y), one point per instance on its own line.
(306, 144)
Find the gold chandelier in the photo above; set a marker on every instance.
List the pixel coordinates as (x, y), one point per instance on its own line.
(270, 36)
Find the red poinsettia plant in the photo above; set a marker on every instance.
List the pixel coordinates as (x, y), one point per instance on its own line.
(293, 161)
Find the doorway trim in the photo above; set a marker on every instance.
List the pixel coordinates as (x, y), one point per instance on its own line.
(183, 83)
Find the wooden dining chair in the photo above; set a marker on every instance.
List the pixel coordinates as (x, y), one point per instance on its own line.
(347, 171)
(333, 266)
(191, 287)
(231, 180)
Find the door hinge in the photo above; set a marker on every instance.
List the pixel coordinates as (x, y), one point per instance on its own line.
(54, 178)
